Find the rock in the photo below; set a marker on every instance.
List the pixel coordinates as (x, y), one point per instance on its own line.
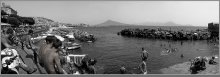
(183, 68)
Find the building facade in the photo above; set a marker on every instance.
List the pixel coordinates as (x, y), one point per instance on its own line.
(8, 9)
(213, 28)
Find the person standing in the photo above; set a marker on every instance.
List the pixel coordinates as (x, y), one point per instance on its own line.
(29, 44)
(144, 54)
(143, 66)
(51, 59)
(48, 43)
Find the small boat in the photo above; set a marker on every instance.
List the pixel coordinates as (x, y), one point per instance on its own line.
(71, 46)
(89, 41)
(75, 44)
(60, 37)
(38, 38)
(70, 36)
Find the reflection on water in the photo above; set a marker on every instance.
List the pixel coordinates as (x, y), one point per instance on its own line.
(112, 50)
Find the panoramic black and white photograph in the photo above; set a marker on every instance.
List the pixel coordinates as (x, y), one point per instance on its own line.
(110, 37)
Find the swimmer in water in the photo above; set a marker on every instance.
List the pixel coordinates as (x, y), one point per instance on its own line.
(181, 56)
(167, 50)
(122, 69)
(174, 49)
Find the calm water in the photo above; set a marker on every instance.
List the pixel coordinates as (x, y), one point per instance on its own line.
(112, 50)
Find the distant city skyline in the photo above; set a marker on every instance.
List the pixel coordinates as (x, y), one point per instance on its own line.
(196, 13)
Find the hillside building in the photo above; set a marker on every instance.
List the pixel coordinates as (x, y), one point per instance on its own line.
(8, 9)
(213, 28)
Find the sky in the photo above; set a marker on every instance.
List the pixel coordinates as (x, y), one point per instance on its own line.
(197, 13)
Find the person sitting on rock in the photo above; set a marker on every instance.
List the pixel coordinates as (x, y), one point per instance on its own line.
(212, 61)
(82, 66)
(91, 66)
(203, 64)
(29, 45)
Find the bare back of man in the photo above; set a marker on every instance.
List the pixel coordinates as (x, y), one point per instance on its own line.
(49, 63)
(144, 55)
(51, 59)
(45, 44)
(42, 53)
(52, 62)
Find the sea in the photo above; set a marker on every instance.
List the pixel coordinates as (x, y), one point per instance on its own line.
(112, 51)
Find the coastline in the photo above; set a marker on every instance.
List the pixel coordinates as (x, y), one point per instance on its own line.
(183, 68)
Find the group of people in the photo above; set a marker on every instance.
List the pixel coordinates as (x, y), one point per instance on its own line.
(86, 66)
(168, 50)
(8, 42)
(199, 64)
(47, 55)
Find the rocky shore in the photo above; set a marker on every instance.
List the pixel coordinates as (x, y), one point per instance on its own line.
(79, 35)
(183, 68)
(166, 34)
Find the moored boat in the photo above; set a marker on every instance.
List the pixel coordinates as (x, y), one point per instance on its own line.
(71, 46)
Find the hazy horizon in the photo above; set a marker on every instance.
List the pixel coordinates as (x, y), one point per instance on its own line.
(196, 13)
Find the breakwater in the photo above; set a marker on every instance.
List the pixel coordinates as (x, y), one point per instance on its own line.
(199, 34)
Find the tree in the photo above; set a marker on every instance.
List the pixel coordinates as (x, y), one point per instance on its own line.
(27, 20)
(3, 12)
(16, 16)
(14, 21)
(4, 20)
(24, 20)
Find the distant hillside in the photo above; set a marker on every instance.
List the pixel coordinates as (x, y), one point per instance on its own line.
(170, 23)
(50, 22)
(111, 23)
(42, 20)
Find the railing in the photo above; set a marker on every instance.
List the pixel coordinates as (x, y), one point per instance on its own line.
(77, 59)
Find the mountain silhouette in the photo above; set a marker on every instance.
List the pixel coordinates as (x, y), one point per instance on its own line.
(111, 23)
(115, 23)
